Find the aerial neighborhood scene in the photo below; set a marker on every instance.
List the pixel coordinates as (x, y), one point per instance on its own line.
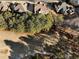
(39, 29)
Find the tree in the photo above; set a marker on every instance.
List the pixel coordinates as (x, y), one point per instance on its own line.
(37, 22)
(29, 24)
(7, 17)
(21, 25)
(2, 22)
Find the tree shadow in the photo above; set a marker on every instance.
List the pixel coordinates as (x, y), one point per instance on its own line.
(18, 50)
(32, 40)
(35, 45)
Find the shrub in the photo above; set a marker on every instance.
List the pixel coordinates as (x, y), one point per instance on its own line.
(7, 17)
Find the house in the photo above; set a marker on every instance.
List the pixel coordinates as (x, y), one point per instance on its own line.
(19, 6)
(35, 6)
(40, 6)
